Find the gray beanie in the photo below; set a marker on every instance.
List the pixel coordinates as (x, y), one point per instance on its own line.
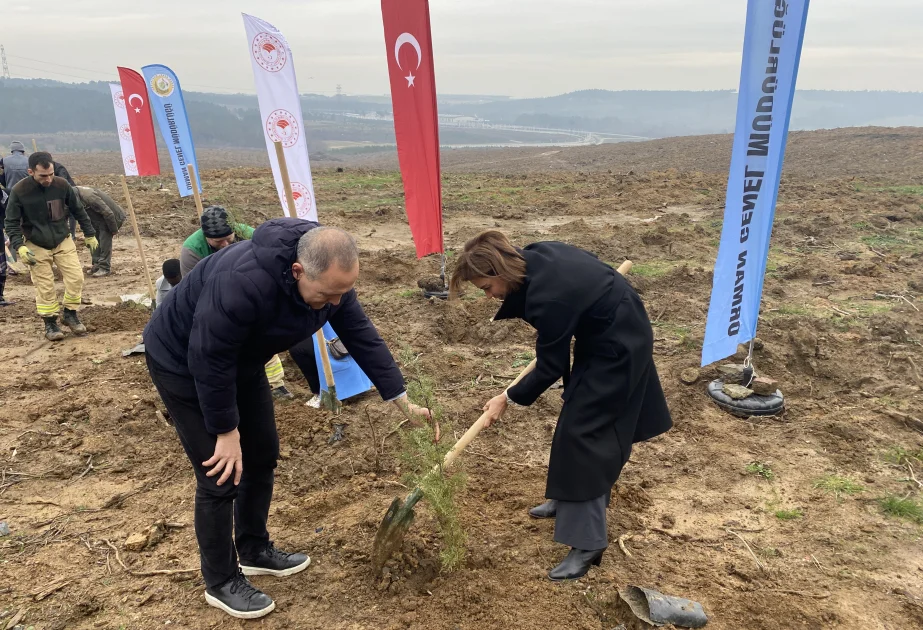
(16, 145)
(215, 223)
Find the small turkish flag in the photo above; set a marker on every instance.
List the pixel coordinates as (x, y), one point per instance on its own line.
(140, 121)
(416, 121)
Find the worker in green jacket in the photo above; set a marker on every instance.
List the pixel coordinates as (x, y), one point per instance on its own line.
(217, 232)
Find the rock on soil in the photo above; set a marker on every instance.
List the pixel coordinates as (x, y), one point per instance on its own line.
(136, 542)
(737, 392)
(689, 376)
(764, 386)
(731, 372)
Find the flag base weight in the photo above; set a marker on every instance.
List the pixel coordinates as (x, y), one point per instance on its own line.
(753, 405)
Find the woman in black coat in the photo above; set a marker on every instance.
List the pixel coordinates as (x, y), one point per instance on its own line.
(612, 395)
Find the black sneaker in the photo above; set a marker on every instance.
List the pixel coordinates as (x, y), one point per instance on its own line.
(70, 320)
(281, 393)
(275, 562)
(240, 599)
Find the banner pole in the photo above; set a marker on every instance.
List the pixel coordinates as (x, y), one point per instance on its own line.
(286, 182)
(195, 188)
(34, 146)
(134, 224)
(330, 401)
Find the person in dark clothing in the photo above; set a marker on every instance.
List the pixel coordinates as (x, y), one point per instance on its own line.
(206, 346)
(3, 264)
(15, 166)
(61, 171)
(13, 169)
(107, 218)
(612, 395)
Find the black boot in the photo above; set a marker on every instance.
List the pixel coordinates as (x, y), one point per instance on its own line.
(240, 599)
(576, 564)
(70, 320)
(52, 332)
(275, 562)
(3, 302)
(548, 509)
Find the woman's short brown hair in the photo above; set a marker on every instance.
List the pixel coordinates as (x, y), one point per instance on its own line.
(489, 255)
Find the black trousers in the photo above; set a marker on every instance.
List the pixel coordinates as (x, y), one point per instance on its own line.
(226, 514)
(102, 257)
(303, 356)
(3, 263)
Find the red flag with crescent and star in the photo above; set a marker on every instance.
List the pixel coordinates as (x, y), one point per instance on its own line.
(134, 91)
(416, 123)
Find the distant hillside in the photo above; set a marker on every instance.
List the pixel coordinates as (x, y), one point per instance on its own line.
(668, 113)
(228, 121)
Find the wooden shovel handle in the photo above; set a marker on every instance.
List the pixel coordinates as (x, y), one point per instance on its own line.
(472, 433)
(325, 359)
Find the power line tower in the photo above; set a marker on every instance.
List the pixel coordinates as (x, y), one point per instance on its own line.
(6, 67)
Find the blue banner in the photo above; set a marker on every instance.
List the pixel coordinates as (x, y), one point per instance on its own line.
(166, 100)
(772, 52)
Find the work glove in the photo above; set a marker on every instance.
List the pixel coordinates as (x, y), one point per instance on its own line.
(26, 254)
(92, 243)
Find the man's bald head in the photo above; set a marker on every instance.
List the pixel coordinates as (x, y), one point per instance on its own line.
(322, 247)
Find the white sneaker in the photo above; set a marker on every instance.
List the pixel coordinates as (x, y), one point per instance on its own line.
(314, 403)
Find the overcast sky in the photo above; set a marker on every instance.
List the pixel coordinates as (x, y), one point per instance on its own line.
(512, 47)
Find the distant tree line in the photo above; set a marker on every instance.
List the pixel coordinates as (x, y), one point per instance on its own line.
(227, 121)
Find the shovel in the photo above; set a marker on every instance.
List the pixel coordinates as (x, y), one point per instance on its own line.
(399, 516)
(328, 397)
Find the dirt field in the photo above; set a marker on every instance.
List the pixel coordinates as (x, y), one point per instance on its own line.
(824, 496)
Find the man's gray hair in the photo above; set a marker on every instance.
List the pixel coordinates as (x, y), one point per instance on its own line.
(319, 248)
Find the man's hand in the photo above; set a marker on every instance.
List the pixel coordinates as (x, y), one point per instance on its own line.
(495, 408)
(415, 412)
(26, 254)
(92, 243)
(227, 457)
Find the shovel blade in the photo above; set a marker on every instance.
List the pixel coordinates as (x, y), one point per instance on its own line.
(393, 526)
(329, 400)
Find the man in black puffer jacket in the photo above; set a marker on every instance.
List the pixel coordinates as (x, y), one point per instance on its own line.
(206, 347)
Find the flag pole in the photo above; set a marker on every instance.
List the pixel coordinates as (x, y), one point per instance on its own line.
(328, 398)
(286, 182)
(195, 188)
(34, 146)
(134, 224)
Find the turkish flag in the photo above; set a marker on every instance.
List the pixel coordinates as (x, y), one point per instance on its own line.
(140, 122)
(416, 123)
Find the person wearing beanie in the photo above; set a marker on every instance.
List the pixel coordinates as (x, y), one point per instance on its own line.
(165, 283)
(36, 220)
(218, 231)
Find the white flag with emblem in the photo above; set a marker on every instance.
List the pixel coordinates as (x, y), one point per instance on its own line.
(124, 130)
(280, 111)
